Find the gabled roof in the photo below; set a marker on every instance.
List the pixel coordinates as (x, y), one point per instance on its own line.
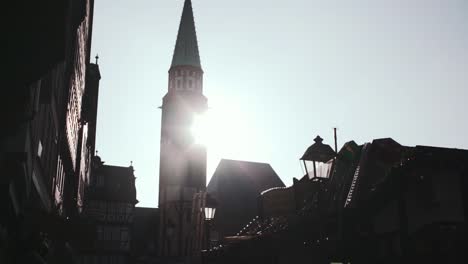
(236, 186)
(117, 184)
(261, 176)
(186, 48)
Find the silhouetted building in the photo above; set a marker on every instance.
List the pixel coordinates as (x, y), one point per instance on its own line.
(182, 162)
(45, 140)
(144, 240)
(89, 124)
(380, 203)
(204, 207)
(236, 185)
(109, 206)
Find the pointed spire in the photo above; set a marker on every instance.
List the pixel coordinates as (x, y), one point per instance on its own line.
(186, 48)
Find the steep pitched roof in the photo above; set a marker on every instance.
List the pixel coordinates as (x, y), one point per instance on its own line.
(236, 186)
(186, 48)
(261, 176)
(117, 184)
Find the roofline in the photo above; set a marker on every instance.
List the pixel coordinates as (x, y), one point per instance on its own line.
(440, 148)
(245, 161)
(117, 167)
(143, 207)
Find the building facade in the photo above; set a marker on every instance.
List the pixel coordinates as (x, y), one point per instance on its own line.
(45, 136)
(144, 238)
(182, 162)
(245, 181)
(109, 207)
(380, 203)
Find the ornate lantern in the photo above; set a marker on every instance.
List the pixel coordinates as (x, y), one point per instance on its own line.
(210, 208)
(318, 160)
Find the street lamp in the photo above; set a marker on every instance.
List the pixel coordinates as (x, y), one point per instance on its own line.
(209, 213)
(318, 160)
(209, 210)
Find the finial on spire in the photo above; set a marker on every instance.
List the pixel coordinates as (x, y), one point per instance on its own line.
(131, 163)
(96, 152)
(97, 58)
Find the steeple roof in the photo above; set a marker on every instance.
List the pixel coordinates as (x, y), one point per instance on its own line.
(186, 48)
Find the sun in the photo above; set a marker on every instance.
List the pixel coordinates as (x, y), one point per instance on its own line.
(223, 129)
(226, 131)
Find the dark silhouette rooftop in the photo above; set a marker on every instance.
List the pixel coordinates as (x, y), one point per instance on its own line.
(116, 183)
(236, 186)
(261, 176)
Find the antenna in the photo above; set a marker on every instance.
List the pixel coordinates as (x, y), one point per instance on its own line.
(336, 141)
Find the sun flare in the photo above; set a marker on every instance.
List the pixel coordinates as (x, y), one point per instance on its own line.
(223, 131)
(201, 128)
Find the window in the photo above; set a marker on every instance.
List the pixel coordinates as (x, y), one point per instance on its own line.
(121, 211)
(190, 84)
(39, 149)
(99, 233)
(111, 212)
(188, 216)
(102, 209)
(115, 234)
(107, 234)
(99, 179)
(124, 234)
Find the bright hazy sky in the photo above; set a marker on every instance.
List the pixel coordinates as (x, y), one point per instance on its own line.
(284, 72)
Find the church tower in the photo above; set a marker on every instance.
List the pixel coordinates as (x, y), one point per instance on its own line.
(182, 170)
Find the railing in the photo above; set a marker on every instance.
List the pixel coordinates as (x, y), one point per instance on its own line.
(353, 186)
(258, 227)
